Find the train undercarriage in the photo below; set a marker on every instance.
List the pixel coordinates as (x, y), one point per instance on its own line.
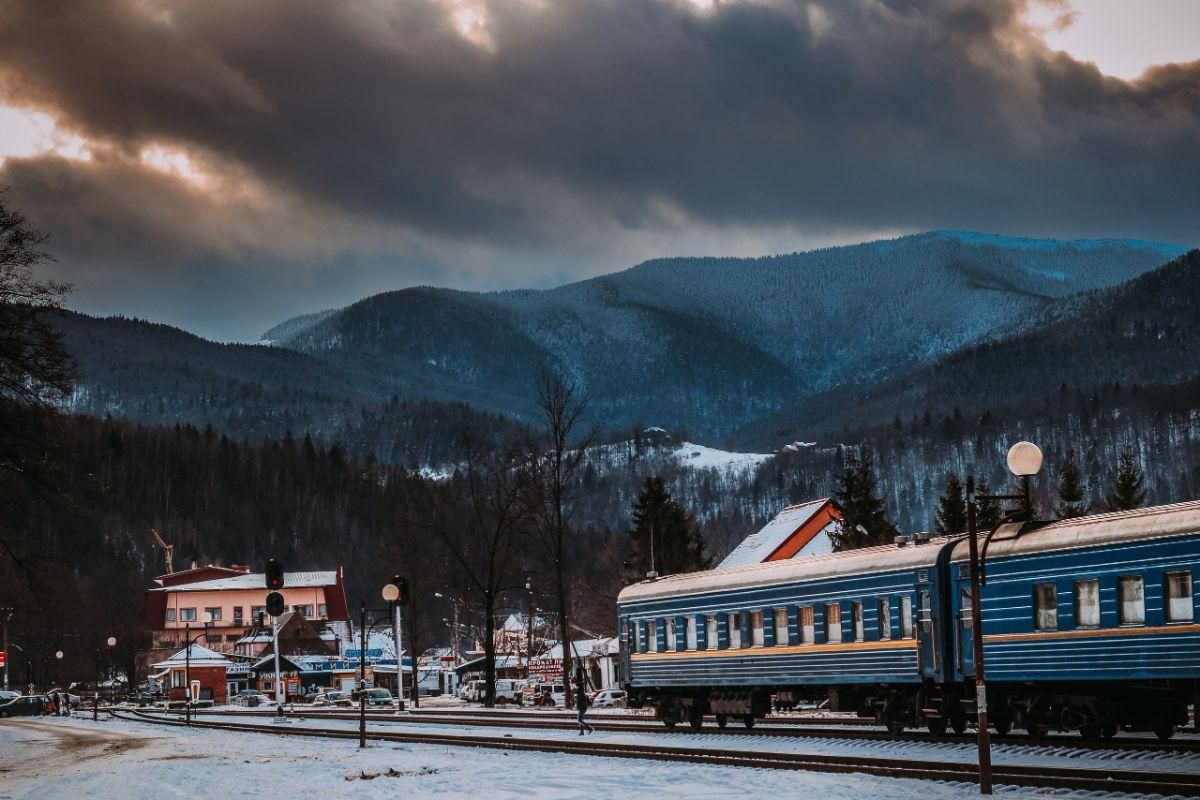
(1096, 711)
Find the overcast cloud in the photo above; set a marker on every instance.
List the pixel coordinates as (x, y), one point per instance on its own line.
(248, 161)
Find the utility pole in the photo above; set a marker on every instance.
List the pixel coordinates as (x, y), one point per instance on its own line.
(984, 735)
(362, 676)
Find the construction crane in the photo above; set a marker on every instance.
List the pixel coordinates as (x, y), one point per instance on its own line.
(168, 551)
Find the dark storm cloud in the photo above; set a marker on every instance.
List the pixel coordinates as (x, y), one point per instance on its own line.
(378, 128)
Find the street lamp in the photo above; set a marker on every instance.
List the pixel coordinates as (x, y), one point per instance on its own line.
(529, 621)
(6, 615)
(391, 593)
(111, 642)
(1024, 460)
(187, 663)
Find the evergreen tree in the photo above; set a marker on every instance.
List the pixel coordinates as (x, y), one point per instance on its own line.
(1070, 489)
(952, 508)
(1128, 491)
(661, 527)
(987, 512)
(864, 520)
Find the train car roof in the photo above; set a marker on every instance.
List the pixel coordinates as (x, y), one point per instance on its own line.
(881, 558)
(1114, 527)
(1111, 528)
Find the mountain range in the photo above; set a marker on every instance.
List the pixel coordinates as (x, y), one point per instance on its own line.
(746, 351)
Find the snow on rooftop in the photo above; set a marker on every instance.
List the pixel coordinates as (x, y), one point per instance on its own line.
(755, 548)
(256, 580)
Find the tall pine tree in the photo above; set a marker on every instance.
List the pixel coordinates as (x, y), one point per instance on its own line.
(987, 512)
(1070, 489)
(662, 527)
(952, 508)
(864, 520)
(1128, 490)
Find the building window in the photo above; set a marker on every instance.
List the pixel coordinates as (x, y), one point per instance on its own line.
(651, 636)
(906, 618)
(1087, 604)
(689, 633)
(1131, 600)
(177, 677)
(323, 611)
(735, 631)
(711, 637)
(856, 616)
(187, 615)
(237, 615)
(1177, 588)
(214, 613)
(782, 635)
(833, 623)
(808, 629)
(885, 619)
(305, 610)
(170, 615)
(257, 613)
(669, 629)
(1045, 607)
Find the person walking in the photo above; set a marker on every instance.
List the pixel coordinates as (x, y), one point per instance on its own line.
(582, 703)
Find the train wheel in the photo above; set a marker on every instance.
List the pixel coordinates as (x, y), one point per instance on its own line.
(722, 720)
(1037, 731)
(1003, 726)
(1164, 730)
(748, 721)
(895, 728)
(959, 723)
(1090, 732)
(670, 723)
(936, 725)
(696, 720)
(1109, 728)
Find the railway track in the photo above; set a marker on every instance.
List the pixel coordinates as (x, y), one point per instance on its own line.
(1137, 782)
(626, 724)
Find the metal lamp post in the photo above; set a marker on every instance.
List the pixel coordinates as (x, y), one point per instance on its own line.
(391, 593)
(1024, 460)
(6, 615)
(187, 664)
(111, 642)
(529, 621)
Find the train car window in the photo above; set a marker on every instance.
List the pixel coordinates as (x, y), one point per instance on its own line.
(782, 634)
(833, 623)
(885, 619)
(808, 629)
(1177, 586)
(735, 631)
(689, 634)
(906, 618)
(669, 631)
(1131, 600)
(856, 616)
(1045, 607)
(757, 630)
(711, 638)
(1087, 604)
(651, 636)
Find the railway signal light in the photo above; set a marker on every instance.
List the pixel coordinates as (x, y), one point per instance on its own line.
(274, 573)
(275, 604)
(397, 591)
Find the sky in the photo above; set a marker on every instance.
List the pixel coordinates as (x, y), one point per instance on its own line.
(222, 166)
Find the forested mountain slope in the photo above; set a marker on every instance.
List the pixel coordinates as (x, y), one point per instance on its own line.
(1142, 334)
(711, 344)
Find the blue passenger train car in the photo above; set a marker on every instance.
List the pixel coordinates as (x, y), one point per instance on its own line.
(1088, 624)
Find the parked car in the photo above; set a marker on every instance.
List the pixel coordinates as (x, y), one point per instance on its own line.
(24, 706)
(332, 699)
(380, 697)
(508, 691)
(472, 691)
(609, 698)
(8, 694)
(251, 698)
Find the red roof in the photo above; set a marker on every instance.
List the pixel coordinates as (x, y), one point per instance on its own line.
(206, 573)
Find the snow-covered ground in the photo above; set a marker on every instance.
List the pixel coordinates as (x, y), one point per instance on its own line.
(697, 456)
(55, 758)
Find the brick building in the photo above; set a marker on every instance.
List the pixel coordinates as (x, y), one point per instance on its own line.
(206, 667)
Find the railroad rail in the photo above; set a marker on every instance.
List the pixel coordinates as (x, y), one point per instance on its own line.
(626, 724)
(1137, 782)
